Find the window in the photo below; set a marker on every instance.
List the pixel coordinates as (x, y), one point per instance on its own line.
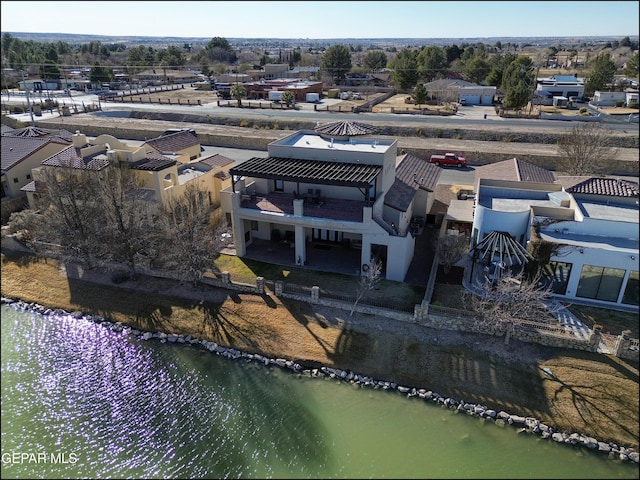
(600, 283)
(630, 296)
(254, 225)
(228, 218)
(15, 180)
(278, 185)
(28, 176)
(371, 194)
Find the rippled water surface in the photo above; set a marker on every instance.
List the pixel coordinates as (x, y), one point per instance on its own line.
(79, 400)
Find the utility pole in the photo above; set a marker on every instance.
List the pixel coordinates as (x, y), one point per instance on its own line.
(535, 84)
(26, 90)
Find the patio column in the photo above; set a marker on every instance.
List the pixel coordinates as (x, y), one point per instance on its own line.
(301, 245)
(237, 224)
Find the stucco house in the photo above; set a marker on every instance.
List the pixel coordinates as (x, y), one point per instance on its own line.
(184, 145)
(161, 177)
(587, 225)
(299, 89)
(24, 149)
(609, 99)
(332, 186)
(567, 86)
(457, 90)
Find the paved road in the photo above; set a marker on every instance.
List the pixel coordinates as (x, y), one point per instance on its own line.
(467, 117)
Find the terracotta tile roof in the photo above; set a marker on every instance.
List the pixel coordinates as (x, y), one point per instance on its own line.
(153, 162)
(412, 173)
(174, 142)
(70, 157)
(37, 132)
(345, 129)
(16, 149)
(35, 186)
(610, 187)
(216, 160)
(6, 129)
(515, 170)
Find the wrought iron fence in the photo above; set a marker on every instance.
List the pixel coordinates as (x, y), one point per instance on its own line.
(296, 289)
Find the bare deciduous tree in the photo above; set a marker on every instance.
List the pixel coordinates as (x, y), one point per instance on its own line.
(451, 249)
(368, 280)
(509, 300)
(128, 225)
(95, 215)
(69, 212)
(585, 150)
(195, 229)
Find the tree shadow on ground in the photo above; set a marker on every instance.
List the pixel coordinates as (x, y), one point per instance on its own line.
(226, 328)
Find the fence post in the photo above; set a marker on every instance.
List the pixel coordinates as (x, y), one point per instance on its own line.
(315, 294)
(594, 338)
(226, 278)
(260, 285)
(622, 343)
(279, 287)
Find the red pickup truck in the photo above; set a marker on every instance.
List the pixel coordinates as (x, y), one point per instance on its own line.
(448, 159)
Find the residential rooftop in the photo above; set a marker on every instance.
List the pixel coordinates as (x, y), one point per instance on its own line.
(358, 144)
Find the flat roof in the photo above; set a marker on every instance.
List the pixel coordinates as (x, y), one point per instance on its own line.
(352, 144)
(602, 211)
(460, 211)
(187, 174)
(602, 242)
(517, 205)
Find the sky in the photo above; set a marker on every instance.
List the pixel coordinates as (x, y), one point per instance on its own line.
(321, 20)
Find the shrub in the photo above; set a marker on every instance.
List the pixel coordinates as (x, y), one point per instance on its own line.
(244, 123)
(583, 110)
(619, 103)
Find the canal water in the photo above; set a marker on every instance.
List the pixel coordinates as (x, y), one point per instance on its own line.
(80, 400)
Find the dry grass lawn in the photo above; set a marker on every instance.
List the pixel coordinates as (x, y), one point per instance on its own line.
(591, 394)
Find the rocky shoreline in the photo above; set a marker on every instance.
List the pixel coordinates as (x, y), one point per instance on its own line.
(524, 425)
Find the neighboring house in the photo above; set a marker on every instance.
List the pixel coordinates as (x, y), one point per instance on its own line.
(23, 150)
(476, 95)
(302, 73)
(455, 90)
(332, 186)
(381, 78)
(589, 224)
(160, 76)
(161, 178)
(39, 85)
(184, 146)
(261, 89)
(609, 99)
(233, 78)
(558, 86)
(221, 178)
